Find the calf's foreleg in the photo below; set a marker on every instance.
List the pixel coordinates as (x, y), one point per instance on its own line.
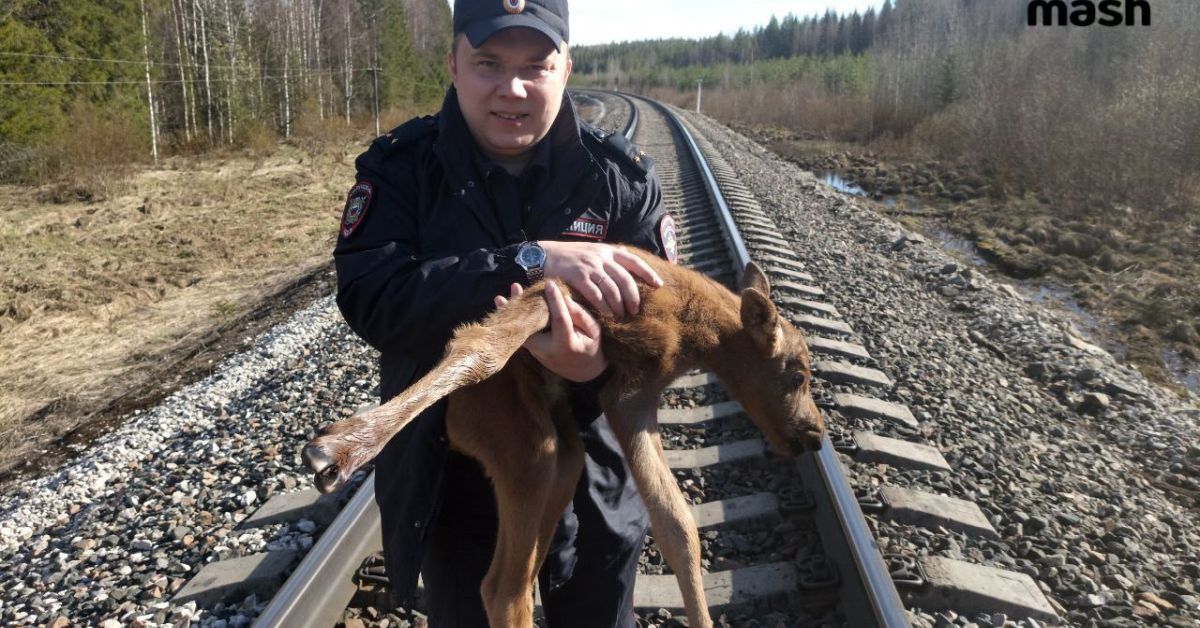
(633, 416)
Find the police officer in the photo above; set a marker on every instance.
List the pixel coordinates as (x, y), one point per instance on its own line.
(450, 213)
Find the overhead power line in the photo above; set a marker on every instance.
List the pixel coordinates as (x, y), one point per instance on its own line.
(139, 62)
(243, 79)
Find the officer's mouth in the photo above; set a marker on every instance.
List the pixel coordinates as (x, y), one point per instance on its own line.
(510, 118)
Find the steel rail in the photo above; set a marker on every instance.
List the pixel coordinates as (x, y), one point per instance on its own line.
(884, 602)
(316, 594)
(631, 124)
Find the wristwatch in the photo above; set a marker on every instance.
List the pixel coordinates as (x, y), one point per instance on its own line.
(532, 257)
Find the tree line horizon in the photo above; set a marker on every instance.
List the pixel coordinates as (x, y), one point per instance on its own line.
(1079, 109)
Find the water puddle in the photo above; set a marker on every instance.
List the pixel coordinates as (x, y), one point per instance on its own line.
(835, 181)
(830, 178)
(964, 246)
(1188, 373)
(1060, 296)
(1049, 294)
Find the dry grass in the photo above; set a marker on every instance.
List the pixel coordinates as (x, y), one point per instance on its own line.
(95, 291)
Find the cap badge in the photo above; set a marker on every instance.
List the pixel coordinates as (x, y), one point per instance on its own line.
(514, 6)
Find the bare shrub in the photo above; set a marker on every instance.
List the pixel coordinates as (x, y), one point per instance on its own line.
(92, 156)
(257, 137)
(20, 164)
(314, 134)
(944, 135)
(194, 146)
(393, 117)
(800, 106)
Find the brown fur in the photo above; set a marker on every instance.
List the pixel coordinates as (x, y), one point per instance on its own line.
(527, 440)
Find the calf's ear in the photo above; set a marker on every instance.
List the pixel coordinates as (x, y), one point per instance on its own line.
(754, 277)
(760, 319)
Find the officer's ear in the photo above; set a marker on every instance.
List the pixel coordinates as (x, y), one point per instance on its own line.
(452, 58)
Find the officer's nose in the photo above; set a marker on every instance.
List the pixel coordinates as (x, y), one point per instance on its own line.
(513, 87)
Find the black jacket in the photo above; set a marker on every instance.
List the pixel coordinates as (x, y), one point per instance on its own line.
(421, 251)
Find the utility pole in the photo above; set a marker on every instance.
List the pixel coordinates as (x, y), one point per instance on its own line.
(699, 89)
(375, 89)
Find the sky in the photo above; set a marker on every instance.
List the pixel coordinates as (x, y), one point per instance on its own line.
(601, 21)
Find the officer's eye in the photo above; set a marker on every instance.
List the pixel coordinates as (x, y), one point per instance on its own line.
(534, 71)
(487, 65)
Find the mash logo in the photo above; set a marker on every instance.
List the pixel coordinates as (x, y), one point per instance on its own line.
(591, 228)
(1089, 12)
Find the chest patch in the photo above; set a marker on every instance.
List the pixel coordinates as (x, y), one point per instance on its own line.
(667, 239)
(593, 228)
(357, 203)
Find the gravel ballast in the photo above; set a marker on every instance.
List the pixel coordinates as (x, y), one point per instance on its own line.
(112, 535)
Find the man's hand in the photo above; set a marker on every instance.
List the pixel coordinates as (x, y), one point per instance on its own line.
(571, 349)
(601, 273)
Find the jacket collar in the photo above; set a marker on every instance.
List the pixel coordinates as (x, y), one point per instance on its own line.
(535, 175)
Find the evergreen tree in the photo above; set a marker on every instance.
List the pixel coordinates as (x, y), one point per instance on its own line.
(29, 111)
(948, 89)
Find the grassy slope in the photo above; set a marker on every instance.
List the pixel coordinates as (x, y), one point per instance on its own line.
(97, 295)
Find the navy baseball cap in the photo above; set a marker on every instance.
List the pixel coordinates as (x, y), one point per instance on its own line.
(480, 19)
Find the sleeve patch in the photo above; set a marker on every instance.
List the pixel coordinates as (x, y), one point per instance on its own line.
(666, 238)
(357, 203)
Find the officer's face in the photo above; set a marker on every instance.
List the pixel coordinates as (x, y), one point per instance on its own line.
(510, 89)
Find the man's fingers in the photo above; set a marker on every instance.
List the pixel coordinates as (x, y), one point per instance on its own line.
(628, 287)
(583, 320)
(591, 292)
(500, 301)
(612, 294)
(515, 290)
(637, 266)
(560, 316)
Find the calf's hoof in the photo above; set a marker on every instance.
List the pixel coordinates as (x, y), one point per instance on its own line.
(326, 474)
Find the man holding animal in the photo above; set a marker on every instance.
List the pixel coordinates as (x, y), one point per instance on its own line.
(450, 213)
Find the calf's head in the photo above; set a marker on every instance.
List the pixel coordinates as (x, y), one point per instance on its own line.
(774, 375)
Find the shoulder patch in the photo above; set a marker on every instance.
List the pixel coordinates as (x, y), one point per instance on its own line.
(667, 239)
(358, 201)
(407, 133)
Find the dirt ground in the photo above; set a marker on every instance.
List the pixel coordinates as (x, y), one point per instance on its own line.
(105, 301)
(1134, 275)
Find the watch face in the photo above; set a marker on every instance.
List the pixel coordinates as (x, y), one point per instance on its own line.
(531, 256)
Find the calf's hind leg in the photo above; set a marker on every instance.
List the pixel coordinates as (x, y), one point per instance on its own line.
(518, 427)
(634, 420)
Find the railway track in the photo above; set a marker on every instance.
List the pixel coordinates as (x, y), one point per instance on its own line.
(785, 542)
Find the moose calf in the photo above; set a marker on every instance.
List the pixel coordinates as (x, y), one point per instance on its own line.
(511, 414)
